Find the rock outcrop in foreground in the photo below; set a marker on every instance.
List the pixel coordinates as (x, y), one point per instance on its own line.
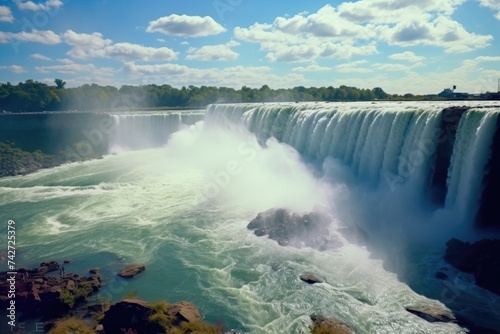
(303, 230)
(322, 325)
(480, 259)
(138, 316)
(40, 294)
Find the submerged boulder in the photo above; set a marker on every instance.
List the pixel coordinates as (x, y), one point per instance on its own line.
(303, 229)
(480, 259)
(131, 270)
(432, 314)
(310, 278)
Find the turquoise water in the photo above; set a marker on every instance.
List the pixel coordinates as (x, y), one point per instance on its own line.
(182, 210)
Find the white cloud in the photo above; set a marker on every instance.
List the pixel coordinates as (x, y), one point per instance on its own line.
(30, 5)
(353, 67)
(70, 67)
(40, 57)
(95, 46)
(236, 76)
(492, 4)
(408, 56)
(311, 68)
(184, 43)
(93, 41)
(222, 52)
(441, 32)
(129, 51)
(37, 36)
(392, 67)
(355, 28)
(13, 68)
(305, 38)
(6, 14)
(187, 26)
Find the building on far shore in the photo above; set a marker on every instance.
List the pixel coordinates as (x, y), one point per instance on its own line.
(451, 94)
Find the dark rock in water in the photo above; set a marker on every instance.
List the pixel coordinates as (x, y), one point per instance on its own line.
(47, 267)
(480, 259)
(67, 261)
(441, 275)
(310, 278)
(432, 314)
(131, 270)
(94, 271)
(302, 230)
(329, 325)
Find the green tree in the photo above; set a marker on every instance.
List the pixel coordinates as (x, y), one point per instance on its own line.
(60, 83)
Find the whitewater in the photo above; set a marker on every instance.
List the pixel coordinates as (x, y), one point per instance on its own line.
(182, 209)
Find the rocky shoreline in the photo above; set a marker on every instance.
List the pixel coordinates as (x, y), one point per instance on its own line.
(14, 161)
(60, 300)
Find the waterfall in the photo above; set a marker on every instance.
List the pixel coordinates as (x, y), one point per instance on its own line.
(384, 144)
(146, 130)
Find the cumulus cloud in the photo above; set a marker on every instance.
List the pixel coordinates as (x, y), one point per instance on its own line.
(13, 68)
(30, 5)
(93, 41)
(95, 46)
(221, 52)
(235, 76)
(40, 57)
(311, 68)
(69, 67)
(6, 14)
(392, 67)
(36, 36)
(184, 25)
(353, 67)
(355, 28)
(492, 4)
(408, 56)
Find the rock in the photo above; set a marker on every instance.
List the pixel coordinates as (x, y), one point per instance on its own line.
(97, 309)
(432, 314)
(94, 271)
(131, 270)
(329, 325)
(130, 314)
(40, 295)
(99, 329)
(480, 259)
(310, 278)
(302, 230)
(47, 267)
(184, 312)
(67, 261)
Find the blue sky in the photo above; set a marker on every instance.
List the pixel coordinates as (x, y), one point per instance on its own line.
(403, 46)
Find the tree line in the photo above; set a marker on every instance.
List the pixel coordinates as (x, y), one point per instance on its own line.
(33, 96)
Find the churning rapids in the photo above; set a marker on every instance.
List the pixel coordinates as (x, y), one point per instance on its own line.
(182, 209)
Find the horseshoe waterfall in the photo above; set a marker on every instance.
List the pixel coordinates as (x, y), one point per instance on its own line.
(237, 208)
